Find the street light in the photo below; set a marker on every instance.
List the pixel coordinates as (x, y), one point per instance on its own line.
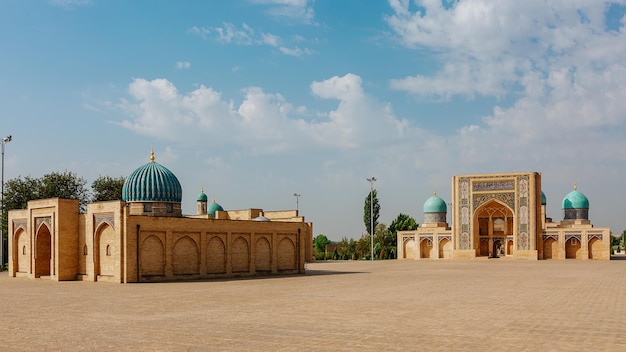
(5, 140)
(371, 181)
(297, 199)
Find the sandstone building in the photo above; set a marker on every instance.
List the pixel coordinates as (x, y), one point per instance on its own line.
(145, 237)
(504, 216)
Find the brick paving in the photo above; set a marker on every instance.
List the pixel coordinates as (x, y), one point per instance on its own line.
(479, 305)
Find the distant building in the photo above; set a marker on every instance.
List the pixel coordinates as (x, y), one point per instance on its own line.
(146, 237)
(504, 216)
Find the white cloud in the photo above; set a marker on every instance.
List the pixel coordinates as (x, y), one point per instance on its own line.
(556, 63)
(298, 10)
(263, 122)
(246, 35)
(183, 65)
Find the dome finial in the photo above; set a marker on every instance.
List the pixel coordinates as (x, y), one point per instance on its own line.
(435, 191)
(201, 189)
(152, 154)
(575, 187)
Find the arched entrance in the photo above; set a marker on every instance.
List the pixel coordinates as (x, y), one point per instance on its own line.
(595, 248)
(407, 249)
(550, 249)
(426, 246)
(493, 223)
(43, 251)
(572, 248)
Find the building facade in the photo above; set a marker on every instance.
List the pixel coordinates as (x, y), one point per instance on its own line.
(504, 216)
(146, 238)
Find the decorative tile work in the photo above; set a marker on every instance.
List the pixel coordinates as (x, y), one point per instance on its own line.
(576, 235)
(505, 185)
(444, 237)
(522, 213)
(506, 198)
(44, 220)
(104, 217)
(591, 236)
(20, 223)
(554, 236)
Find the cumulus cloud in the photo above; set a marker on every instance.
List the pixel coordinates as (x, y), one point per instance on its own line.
(262, 121)
(557, 71)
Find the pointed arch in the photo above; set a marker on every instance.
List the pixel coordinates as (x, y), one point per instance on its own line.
(43, 251)
(186, 257)
(240, 256)
(106, 250)
(262, 255)
(152, 257)
(216, 256)
(286, 254)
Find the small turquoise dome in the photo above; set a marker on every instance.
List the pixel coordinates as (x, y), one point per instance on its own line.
(435, 204)
(213, 207)
(202, 197)
(543, 198)
(152, 182)
(575, 200)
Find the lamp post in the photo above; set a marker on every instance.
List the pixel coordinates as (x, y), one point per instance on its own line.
(371, 181)
(297, 199)
(5, 140)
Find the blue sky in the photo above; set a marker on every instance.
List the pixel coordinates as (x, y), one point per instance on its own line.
(255, 100)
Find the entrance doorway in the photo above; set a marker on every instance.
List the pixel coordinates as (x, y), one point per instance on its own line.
(493, 223)
(43, 253)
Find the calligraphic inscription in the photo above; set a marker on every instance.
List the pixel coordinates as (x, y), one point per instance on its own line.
(505, 185)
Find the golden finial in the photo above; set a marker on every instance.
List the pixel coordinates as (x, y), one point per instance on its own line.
(213, 199)
(435, 192)
(202, 190)
(575, 187)
(152, 155)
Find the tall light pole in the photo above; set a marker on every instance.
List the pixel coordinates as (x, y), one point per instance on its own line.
(371, 180)
(297, 199)
(5, 140)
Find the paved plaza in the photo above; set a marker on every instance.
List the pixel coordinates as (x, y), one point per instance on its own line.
(437, 305)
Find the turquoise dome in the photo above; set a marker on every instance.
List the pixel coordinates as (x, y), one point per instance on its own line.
(202, 197)
(213, 207)
(575, 200)
(543, 198)
(152, 182)
(435, 204)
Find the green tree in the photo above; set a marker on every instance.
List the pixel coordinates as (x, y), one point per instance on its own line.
(371, 203)
(17, 193)
(106, 188)
(64, 185)
(320, 241)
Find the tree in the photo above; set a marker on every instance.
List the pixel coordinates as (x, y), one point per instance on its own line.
(320, 241)
(371, 199)
(107, 188)
(17, 193)
(64, 185)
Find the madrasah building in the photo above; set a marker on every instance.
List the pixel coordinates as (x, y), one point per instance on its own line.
(504, 216)
(146, 238)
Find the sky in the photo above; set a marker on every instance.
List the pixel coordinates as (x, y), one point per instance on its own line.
(257, 100)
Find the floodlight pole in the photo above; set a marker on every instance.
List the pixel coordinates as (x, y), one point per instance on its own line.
(5, 140)
(371, 181)
(297, 199)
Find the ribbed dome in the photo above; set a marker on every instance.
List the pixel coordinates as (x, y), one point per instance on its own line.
(152, 182)
(575, 200)
(213, 207)
(543, 198)
(202, 197)
(435, 204)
